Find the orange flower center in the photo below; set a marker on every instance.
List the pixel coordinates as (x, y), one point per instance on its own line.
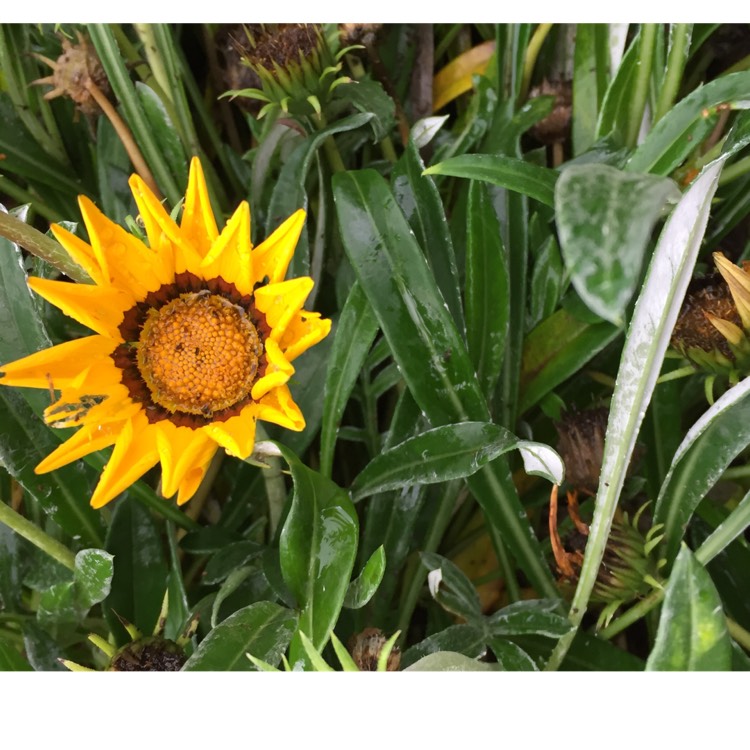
(199, 354)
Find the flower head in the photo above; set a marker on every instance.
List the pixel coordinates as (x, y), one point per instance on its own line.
(296, 65)
(195, 333)
(713, 330)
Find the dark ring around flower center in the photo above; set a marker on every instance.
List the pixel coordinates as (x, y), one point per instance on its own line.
(194, 349)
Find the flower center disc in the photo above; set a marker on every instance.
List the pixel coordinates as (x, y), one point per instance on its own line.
(199, 354)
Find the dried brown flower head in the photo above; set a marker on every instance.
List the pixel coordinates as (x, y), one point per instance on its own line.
(73, 73)
(365, 648)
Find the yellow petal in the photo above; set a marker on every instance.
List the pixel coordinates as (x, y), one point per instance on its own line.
(198, 223)
(739, 286)
(180, 451)
(61, 364)
(280, 301)
(732, 333)
(278, 407)
(303, 331)
(164, 236)
(134, 454)
(99, 229)
(86, 406)
(278, 371)
(272, 257)
(230, 256)
(100, 308)
(193, 479)
(131, 265)
(456, 77)
(80, 252)
(237, 434)
(87, 440)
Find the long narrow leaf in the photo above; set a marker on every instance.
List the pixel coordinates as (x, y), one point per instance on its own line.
(648, 337)
(426, 344)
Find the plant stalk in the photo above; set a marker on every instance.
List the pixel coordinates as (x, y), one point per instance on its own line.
(32, 533)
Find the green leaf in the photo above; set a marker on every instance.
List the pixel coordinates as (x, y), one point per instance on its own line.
(448, 661)
(557, 349)
(24, 439)
(591, 64)
(425, 343)
(316, 660)
(362, 589)
(289, 192)
(487, 289)
(710, 445)
(230, 558)
(367, 95)
(24, 157)
(63, 494)
(318, 545)
(420, 201)
(140, 569)
(468, 640)
(514, 174)
(451, 588)
(10, 659)
(510, 656)
(686, 125)
(70, 601)
(93, 576)
(531, 617)
(11, 551)
(310, 370)
(604, 220)
(692, 634)
(263, 629)
(163, 131)
(113, 169)
(647, 340)
(355, 332)
(42, 650)
(438, 455)
(547, 282)
(613, 113)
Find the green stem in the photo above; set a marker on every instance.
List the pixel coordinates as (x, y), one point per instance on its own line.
(642, 81)
(32, 533)
(119, 79)
(726, 532)
(273, 479)
(739, 634)
(40, 245)
(145, 33)
(733, 171)
(627, 618)
(678, 49)
(682, 372)
(532, 53)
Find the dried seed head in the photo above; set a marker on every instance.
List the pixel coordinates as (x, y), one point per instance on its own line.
(365, 648)
(694, 329)
(282, 45)
(554, 128)
(581, 446)
(151, 654)
(73, 72)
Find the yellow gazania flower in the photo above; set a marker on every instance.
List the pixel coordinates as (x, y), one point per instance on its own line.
(194, 338)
